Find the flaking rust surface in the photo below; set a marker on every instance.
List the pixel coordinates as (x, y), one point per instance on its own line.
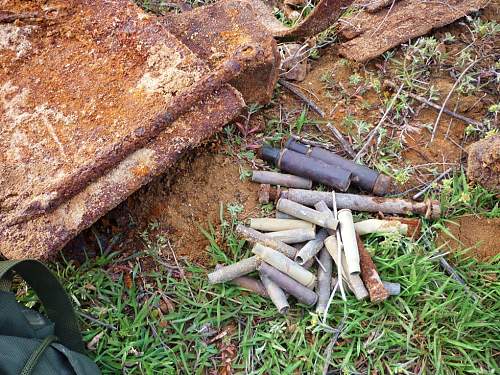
(369, 35)
(45, 235)
(73, 84)
(214, 32)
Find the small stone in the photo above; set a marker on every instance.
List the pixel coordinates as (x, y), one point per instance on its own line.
(483, 165)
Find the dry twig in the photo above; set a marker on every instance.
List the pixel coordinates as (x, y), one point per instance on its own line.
(421, 99)
(343, 142)
(375, 129)
(434, 129)
(290, 87)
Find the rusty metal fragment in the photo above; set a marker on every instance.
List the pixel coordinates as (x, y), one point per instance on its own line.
(114, 70)
(264, 190)
(370, 276)
(216, 31)
(369, 34)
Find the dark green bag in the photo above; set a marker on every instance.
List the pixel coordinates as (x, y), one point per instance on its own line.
(29, 342)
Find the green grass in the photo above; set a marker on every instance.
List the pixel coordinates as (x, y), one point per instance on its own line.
(434, 326)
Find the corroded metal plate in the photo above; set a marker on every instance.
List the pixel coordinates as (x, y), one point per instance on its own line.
(74, 83)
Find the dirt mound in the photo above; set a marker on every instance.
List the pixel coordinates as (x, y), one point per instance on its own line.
(480, 235)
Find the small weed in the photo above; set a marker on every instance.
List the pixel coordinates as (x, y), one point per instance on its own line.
(355, 79)
(301, 121)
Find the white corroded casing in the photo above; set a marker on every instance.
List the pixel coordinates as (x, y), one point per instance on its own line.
(349, 241)
(380, 226)
(273, 225)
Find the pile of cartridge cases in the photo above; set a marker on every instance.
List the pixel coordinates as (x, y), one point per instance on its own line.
(315, 230)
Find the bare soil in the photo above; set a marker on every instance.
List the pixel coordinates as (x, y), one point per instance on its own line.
(183, 205)
(479, 235)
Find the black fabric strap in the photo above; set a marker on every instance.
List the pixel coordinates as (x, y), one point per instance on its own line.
(54, 299)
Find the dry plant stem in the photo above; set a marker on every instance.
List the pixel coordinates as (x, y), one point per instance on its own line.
(329, 348)
(380, 226)
(248, 283)
(343, 142)
(293, 235)
(429, 208)
(324, 281)
(289, 285)
(375, 129)
(370, 276)
(305, 213)
(311, 248)
(394, 289)
(436, 123)
(285, 265)
(438, 107)
(429, 185)
(455, 276)
(295, 91)
(232, 271)
(348, 235)
(281, 179)
(254, 236)
(276, 294)
(275, 225)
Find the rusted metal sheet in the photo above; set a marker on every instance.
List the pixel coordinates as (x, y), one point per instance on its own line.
(89, 96)
(214, 32)
(370, 275)
(371, 32)
(87, 88)
(46, 234)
